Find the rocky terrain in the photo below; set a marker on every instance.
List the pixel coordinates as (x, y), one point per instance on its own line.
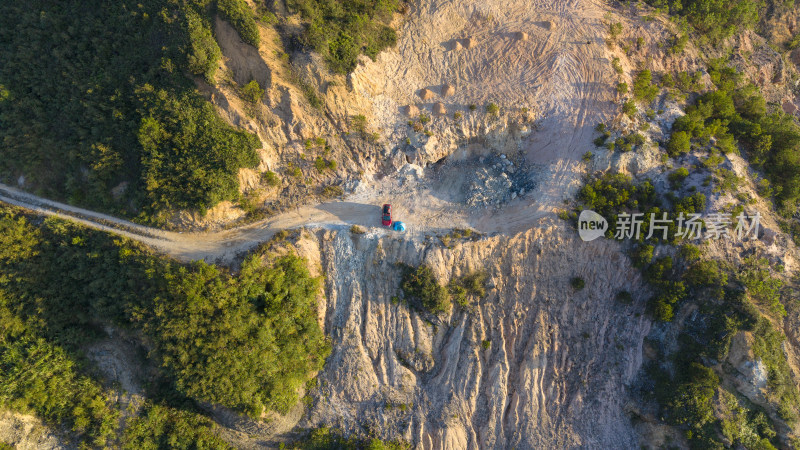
(534, 363)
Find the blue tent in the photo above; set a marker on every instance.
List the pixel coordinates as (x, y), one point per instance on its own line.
(399, 226)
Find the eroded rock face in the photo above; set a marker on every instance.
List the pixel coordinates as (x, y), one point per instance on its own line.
(751, 379)
(534, 364)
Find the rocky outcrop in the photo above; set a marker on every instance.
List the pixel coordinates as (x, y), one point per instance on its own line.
(534, 364)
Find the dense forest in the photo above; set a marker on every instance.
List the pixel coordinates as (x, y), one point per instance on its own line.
(61, 285)
(97, 106)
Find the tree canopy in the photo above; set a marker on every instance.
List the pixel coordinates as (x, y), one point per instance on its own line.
(98, 108)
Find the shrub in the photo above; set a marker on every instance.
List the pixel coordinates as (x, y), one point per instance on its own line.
(326, 438)
(679, 44)
(643, 87)
(624, 297)
(679, 144)
(252, 92)
(661, 310)
(629, 108)
(359, 123)
(486, 344)
(458, 294)
(421, 288)
(238, 13)
(320, 164)
(616, 65)
(492, 109)
(667, 80)
(600, 141)
(332, 191)
(635, 139)
(761, 285)
(577, 283)
(768, 345)
(356, 229)
(706, 274)
(622, 88)
(794, 43)
(475, 283)
(614, 30)
(610, 194)
(677, 177)
(642, 256)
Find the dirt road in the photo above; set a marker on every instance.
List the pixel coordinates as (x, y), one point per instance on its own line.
(218, 246)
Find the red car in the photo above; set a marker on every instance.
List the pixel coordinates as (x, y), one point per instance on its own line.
(386, 218)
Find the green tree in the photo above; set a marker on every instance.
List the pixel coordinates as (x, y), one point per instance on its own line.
(679, 144)
(643, 88)
(252, 92)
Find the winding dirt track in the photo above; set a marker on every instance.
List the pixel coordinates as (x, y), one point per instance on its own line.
(217, 246)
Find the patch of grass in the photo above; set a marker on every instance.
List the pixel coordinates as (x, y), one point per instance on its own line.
(357, 229)
(332, 191)
(617, 65)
